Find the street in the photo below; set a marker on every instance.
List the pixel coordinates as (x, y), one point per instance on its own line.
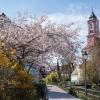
(55, 93)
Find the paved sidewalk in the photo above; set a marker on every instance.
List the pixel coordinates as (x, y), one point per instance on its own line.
(55, 93)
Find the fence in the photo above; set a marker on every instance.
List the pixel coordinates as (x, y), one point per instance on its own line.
(91, 94)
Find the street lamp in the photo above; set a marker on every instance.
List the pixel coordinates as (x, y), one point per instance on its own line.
(85, 57)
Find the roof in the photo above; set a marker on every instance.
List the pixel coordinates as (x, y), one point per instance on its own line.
(4, 21)
(4, 18)
(92, 16)
(75, 72)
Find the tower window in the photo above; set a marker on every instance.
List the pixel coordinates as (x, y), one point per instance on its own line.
(91, 31)
(90, 25)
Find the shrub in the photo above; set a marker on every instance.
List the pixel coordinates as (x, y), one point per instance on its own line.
(51, 78)
(72, 91)
(94, 86)
(83, 97)
(15, 82)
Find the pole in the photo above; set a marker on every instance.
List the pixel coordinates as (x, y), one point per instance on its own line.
(85, 80)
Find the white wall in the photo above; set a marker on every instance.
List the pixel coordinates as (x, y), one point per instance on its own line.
(74, 79)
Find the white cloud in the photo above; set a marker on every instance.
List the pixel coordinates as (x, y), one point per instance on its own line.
(76, 13)
(78, 19)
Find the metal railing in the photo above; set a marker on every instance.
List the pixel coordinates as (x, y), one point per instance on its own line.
(91, 94)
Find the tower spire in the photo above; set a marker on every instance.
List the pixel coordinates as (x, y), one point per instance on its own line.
(92, 9)
(92, 16)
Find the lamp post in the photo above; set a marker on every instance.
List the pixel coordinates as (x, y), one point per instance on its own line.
(85, 57)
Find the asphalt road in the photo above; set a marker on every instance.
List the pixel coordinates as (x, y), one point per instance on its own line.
(55, 93)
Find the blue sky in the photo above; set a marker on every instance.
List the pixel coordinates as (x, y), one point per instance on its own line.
(61, 11)
(11, 7)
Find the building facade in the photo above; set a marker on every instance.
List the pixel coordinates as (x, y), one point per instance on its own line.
(93, 49)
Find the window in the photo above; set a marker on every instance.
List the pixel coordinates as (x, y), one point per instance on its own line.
(90, 25)
(91, 31)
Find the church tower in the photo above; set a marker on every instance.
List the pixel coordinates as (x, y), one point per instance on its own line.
(93, 46)
(93, 30)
